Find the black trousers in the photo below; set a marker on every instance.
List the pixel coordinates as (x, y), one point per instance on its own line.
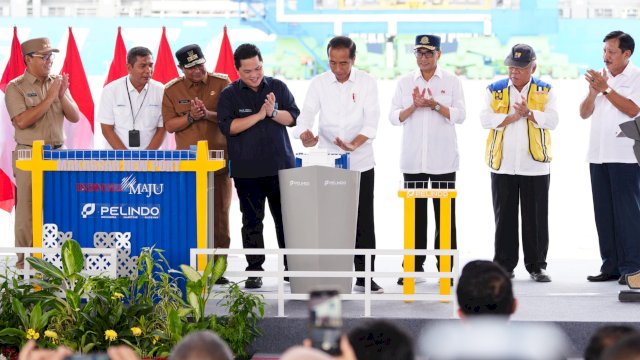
(616, 198)
(420, 181)
(252, 193)
(365, 228)
(533, 194)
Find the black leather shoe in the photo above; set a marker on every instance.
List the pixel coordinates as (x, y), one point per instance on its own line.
(622, 280)
(222, 281)
(253, 283)
(540, 276)
(602, 277)
(511, 274)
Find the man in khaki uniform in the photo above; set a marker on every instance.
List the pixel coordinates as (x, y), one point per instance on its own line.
(37, 103)
(189, 109)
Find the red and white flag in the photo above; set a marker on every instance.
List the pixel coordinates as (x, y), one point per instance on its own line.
(118, 66)
(225, 63)
(15, 67)
(165, 70)
(80, 134)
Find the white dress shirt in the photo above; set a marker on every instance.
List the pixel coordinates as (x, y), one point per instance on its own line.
(116, 110)
(604, 144)
(429, 142)
(346, 110)
(516, 159)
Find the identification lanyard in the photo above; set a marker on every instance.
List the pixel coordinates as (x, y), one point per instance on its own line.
(135, 116)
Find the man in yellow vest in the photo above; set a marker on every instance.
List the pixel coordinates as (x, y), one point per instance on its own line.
(519, 112)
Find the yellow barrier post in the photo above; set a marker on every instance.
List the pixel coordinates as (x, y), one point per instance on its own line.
(445, 196)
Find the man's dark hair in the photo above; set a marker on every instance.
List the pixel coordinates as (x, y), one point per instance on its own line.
(484, 288)
(245, 51)
(205, 345)
(625, 349)
(626, 41)
(604, 338)
(381, 340)
(342, 42)
(135, 52)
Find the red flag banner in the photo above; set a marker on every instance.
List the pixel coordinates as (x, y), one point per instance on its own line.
(15, 67)
(225, 63)
(80, 134)
(165, 68)
(118, 66)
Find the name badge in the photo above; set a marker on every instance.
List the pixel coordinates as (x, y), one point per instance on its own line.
(183, 101)
(32, 94)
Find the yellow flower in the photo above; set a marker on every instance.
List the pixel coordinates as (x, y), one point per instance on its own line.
(136, 331)
(116, 296)
(155, 339)
(110, 335)
(32, 334)
(51, 335)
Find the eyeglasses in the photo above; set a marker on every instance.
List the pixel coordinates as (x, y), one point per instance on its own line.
(47, 57)
(424, 54)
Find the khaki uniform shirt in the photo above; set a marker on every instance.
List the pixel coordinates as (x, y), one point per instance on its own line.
(177, 98)
(26, 92)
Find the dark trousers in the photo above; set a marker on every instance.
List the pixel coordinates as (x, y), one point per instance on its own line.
(533, 194)
(616, 204)
(420, 181)
(365, 227)
(252, 194)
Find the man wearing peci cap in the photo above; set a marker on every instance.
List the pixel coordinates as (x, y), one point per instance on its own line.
(614, 98)
(428, 103)
(130, 107)
(190, 110)
(38, 103)
(519, 111)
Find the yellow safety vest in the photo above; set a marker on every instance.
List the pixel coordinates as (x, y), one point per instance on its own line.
(539, 139)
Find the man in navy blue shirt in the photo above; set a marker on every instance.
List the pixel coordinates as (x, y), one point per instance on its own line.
(253, 113)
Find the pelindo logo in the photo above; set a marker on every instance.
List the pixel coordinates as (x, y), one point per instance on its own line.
(335, 183)
(299, 183)
(129, 212)
(88, 210)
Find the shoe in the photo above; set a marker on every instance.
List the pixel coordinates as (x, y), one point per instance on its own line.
(286, 279)
(622, 280)
(511, 274)
(633, 280)
(418, 280)
(375, 288)
(253, 283)
(540, 276)
(602, 277)
(222, 281)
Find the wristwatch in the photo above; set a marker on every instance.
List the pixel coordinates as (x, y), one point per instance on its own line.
(190, 119)
(607, 91)
(437, 107)
(274, 113)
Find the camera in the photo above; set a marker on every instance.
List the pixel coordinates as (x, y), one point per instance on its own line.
(325, 320)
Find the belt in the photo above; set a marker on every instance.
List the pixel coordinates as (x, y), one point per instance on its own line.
(55, 147)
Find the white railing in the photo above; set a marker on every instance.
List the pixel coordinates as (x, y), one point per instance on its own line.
(27, 272)
(367, 274)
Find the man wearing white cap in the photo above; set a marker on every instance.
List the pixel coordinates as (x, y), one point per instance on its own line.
(38, 103)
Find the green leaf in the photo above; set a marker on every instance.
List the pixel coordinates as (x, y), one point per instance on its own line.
(219, 268)
(72, 258)
(194, 301)
(36, 316)
(12, 332)
(19, 309)
(46, 268)
(190, 273)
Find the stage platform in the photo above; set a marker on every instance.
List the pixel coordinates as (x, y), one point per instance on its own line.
(575, 305)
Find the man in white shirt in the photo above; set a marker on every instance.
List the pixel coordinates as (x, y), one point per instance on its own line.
(130, 110)
(613, 98)
(347, 100)
(428, 103)
(519, 112)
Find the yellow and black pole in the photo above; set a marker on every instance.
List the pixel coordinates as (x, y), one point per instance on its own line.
(410, 196)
